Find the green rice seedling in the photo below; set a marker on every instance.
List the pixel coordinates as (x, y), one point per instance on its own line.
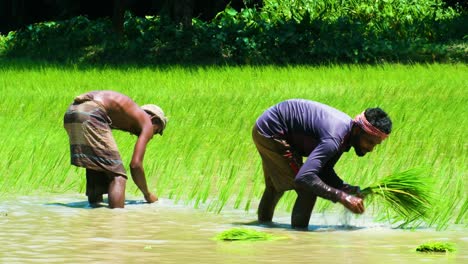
(462, 213)
(443, 213)
(245, 234)
(436, 247)
(407, 193)
(207, 158)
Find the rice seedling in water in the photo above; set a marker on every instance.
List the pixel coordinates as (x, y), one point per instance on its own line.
(245, 234)
(436, 247)
(207, 158)
(407, 193)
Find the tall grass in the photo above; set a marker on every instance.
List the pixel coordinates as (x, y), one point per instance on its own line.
(206, 156)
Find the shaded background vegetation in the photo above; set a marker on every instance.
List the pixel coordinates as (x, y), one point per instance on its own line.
(235, 32)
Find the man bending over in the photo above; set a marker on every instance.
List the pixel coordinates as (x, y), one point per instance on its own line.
(293, 129)
(89, 121)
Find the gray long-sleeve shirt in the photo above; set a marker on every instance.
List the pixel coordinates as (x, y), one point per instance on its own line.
(316, 131)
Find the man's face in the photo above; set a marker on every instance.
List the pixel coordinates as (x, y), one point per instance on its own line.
(157, 126)
(364, 143)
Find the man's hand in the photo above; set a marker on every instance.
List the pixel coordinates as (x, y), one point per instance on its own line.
(151, 198)
(353, 203)
(351, 189)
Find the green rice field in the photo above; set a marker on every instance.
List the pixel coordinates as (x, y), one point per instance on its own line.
(206, 156)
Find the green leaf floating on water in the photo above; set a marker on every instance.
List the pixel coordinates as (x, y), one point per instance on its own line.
(245, 234)
(436, 247)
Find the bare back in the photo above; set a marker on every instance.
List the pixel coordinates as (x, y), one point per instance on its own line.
(125, 114)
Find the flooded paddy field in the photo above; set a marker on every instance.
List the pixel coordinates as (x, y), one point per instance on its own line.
(64, 229)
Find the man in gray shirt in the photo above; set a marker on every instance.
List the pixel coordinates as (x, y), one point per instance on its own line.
(297, 128)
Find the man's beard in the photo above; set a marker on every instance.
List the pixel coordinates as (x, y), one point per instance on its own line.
(359, 152)
(355, 143)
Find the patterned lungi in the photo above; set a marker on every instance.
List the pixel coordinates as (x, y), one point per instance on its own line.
(92, 145)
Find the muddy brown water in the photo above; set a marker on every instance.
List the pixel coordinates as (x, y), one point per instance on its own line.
(64, 229)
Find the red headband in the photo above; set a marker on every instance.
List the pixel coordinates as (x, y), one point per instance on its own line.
(368, 127)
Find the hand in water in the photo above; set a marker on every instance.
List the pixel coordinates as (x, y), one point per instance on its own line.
(353, 203)
(151, 198)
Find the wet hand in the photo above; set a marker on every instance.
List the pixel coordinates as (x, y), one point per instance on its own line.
(351, 189)
(151, 198)
(352, 203)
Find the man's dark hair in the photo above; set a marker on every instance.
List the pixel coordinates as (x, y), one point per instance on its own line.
(378, 118)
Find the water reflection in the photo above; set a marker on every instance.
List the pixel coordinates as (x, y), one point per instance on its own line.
(64, 229)
(311, 228)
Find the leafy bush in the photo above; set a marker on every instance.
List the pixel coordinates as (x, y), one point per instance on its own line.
(303, 31)
(3, 43)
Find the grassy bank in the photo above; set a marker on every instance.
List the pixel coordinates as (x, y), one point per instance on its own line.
(206, 155)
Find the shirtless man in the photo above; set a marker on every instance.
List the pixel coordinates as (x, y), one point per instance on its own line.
(89, 121)
(293, 129)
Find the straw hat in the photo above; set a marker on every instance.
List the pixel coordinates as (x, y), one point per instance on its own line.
(155, 110)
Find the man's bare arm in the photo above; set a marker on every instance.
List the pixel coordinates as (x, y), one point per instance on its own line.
(136, 165)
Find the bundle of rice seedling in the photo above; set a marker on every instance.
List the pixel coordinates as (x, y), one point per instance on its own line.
(436, 247)
(407, 193)
(245, 234)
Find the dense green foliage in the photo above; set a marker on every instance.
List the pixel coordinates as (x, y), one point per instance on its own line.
(207, 158)
(283, 32)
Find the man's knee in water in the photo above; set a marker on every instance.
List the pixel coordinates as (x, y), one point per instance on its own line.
(302, 209)
(300, 221)
(94, 199)
(267, 204)
(96, 186)
(117, 192)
